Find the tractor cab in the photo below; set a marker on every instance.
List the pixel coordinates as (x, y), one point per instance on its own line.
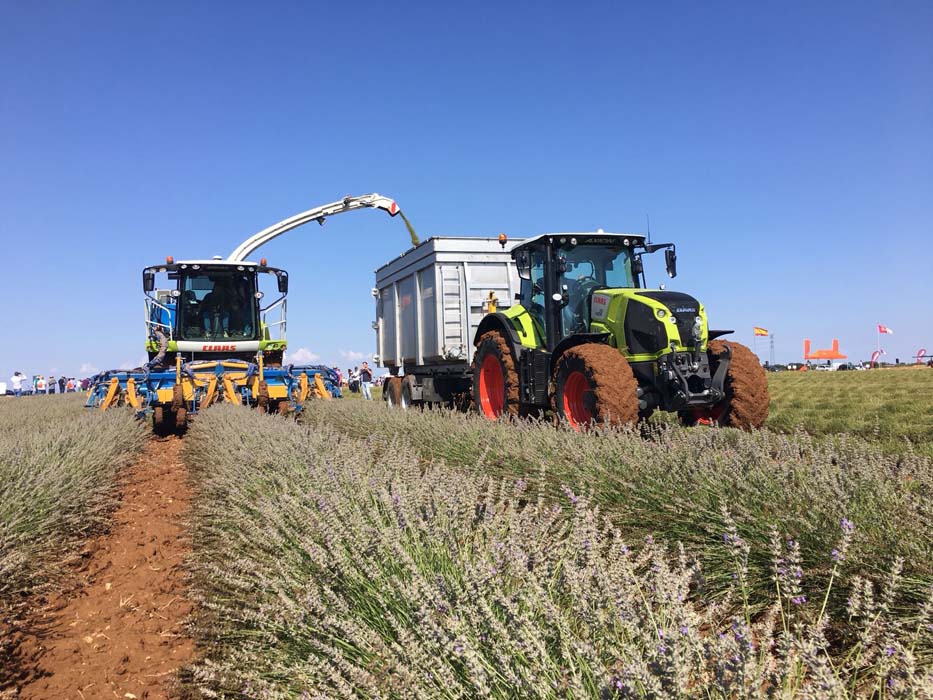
(561, 272)
(207, 309)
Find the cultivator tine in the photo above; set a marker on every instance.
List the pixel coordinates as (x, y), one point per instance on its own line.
(322, 392)
(131, 394)
(113, 394)
(230, 394)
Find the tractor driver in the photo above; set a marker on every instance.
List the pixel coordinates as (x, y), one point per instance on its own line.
(215, 308)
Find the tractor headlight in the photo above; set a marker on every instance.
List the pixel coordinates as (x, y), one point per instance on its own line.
(660, 313)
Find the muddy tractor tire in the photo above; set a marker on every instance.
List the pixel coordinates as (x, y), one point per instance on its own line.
(745, 405)
(495, 379)
(181, 419)
(594, 384)
(392, 392)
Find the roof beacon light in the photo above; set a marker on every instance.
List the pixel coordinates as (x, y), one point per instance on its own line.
(503, 239)
(169, 260)
(263, 262)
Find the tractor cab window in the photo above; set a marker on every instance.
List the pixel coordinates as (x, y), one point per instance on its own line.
(217, 304)
(584, 269)
(532, 288)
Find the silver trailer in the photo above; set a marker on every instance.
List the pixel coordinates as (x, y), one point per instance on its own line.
(429, 302)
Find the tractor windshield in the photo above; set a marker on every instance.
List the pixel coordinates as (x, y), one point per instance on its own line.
(217, 304)
(585, 268)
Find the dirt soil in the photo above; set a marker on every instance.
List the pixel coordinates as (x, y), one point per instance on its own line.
(119, 630)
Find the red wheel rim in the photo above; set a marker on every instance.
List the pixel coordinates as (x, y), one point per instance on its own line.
(491, 387)
(575, 409)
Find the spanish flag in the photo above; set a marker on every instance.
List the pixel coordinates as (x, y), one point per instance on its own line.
(761, 331)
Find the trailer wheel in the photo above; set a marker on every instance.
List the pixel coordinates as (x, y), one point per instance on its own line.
(405, 400)
(495, 379)
(392, 393)
(747, 398)
(594, 384)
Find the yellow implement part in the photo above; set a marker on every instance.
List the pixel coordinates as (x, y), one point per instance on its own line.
(304, 389)
(230, 394)
(211, 395)
(178, 368)
(164, 395)
(321, 389)
(113, 391)
(131, 394)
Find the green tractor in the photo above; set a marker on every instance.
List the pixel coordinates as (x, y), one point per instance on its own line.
(588, 341)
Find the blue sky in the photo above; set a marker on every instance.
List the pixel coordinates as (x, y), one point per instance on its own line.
(786, 148)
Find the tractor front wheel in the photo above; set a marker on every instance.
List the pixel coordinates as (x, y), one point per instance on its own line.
(495, 379)
(594, 384)
(746, 402)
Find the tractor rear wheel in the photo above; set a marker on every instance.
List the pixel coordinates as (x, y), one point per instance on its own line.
(158, 421)
(594, 384)
(392, 392)
(747, 399)
(495, 379)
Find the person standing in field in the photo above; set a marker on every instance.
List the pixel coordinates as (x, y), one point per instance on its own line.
(51, 385)
(61, 385)
(40, 385)
(16, 381)
(366, 381)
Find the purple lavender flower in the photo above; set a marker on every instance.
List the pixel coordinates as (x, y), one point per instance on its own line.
(889, 651)
(847, 525)
(799, 599)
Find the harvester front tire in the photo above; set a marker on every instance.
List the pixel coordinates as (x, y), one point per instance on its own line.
(594, 384)
(181, 419)
(747, 398)
(158, 421)
(392, 392)
(495, 379)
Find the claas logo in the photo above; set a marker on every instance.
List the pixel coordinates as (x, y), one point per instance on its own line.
(217, 348)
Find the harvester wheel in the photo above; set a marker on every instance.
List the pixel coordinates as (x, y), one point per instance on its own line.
(392, 392)
(746, 403)
(594, 384)
(181, 419)
(495, 379)
(158, 421)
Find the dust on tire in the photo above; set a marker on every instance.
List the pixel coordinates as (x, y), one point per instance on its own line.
(493, 342)
(612, 382)
(746, 386)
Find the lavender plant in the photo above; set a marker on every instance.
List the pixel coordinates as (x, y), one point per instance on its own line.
(59, 463)
(331, 565)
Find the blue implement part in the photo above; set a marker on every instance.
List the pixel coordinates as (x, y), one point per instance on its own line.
(205, 382)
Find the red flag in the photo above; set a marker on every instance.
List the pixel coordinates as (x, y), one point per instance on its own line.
(885, 329)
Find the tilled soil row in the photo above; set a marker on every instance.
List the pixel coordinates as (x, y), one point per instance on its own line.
(119, 629)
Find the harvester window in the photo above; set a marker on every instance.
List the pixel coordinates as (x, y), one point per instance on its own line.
(218, 305)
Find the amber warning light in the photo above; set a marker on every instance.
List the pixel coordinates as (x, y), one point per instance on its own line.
(169, 260)
(503, 239)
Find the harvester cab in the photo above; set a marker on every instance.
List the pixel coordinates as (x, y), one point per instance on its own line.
(590, 341)
(215, 331)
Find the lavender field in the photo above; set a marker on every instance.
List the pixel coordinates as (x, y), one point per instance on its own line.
(376, 554)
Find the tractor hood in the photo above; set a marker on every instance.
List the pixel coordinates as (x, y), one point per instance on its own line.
(648, 323)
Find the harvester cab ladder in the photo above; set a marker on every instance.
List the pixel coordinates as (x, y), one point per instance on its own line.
(319, 214)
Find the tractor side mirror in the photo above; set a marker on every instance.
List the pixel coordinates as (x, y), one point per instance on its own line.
(670, 261)
(637, 267)
(148, 280)
(283, 282)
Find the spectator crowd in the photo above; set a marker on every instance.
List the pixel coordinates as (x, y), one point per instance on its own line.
(20, 384)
